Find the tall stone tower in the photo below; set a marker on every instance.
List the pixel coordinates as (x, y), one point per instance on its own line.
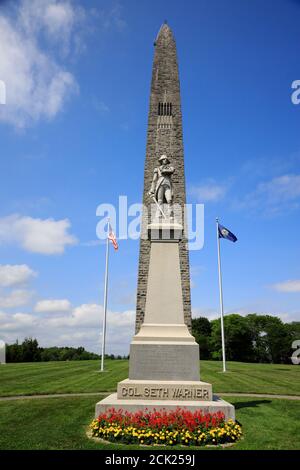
(164, 136)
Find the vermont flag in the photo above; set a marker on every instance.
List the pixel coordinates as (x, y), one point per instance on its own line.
(225, 233)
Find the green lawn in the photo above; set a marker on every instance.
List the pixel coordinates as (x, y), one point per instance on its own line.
(83, 376)
(61, 423)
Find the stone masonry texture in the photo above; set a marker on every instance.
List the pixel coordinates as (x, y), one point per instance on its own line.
(164, 136)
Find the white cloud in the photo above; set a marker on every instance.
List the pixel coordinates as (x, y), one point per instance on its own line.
(282, 188)
(37, 85)
(287, 286)
(90, 316)
(208, 312)
(60, 305)
(279, 195)
(12, 325)
(35, 35)
(80, 327)
(56, 19)
(209, 191)
(11, 275)
(16, 298)
(46, 236)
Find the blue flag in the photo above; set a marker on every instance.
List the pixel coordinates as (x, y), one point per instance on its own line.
(225, 233)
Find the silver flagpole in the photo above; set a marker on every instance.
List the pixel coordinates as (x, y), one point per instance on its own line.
(105, 299)
(221, 299)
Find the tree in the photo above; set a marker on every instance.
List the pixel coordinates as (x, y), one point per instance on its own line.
(201, 330)
(238, 339)
(30, 350)
(14, 352)
(294, 329)
(50, 354)
(272, 339)
(259, 341)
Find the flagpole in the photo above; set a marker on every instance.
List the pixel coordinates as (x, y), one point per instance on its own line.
(221, 298)
(105, 299)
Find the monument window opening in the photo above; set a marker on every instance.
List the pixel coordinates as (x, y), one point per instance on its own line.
(164, 115)
(165, 109)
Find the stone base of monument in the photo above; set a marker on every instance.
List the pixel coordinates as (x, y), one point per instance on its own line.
(164, 390)
(137, 395)
(205, 406)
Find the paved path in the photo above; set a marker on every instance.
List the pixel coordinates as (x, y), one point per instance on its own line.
(92, 394)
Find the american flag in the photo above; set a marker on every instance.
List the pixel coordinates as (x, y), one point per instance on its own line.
(112, 237)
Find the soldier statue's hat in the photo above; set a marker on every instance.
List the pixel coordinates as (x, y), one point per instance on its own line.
(163, 157)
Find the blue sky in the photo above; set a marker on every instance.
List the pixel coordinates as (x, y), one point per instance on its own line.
(73, 136)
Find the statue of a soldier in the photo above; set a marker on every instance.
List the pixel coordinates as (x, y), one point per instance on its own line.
(162, 187)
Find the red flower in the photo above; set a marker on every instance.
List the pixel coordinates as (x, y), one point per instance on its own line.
(179, 418)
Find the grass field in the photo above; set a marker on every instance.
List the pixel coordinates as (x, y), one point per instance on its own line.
(61, 423)
(83, 376)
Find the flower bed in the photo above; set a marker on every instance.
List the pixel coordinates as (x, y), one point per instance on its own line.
(170, 428)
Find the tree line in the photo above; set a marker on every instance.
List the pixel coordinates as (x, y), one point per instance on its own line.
(250, 338)
(29, 351)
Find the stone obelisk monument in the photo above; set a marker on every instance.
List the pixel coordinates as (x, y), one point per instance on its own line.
(164, 136)
(164, 357)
